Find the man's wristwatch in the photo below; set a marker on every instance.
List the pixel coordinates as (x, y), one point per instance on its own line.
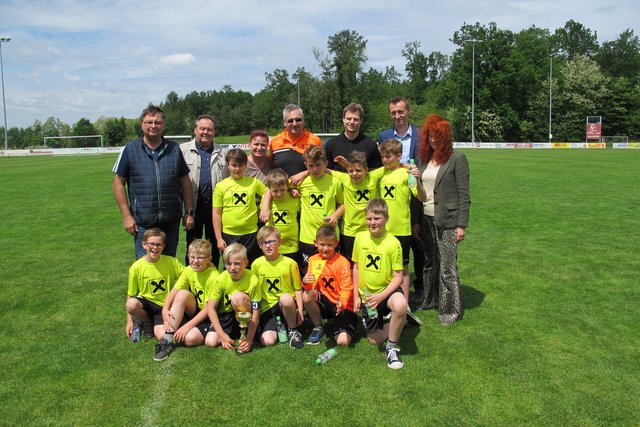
(190, 213)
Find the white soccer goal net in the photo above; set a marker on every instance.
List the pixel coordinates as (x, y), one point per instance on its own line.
(82, 141)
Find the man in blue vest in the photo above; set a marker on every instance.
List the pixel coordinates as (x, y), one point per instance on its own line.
(409, 136)
(152, 172)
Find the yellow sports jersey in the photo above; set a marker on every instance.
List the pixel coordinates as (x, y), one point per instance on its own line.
(153, 280)
(394, 189)
(276, 278)
(224, 286)
(237, 198)
(356, 197)
(318, 196)
(377, 258)
(197, 283)
(284, 216)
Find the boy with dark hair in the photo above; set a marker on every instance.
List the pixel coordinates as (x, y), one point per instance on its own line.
(320, 201)
(281, 290)
(378, 267)
(234, 290)
(329, 289)
(150, 280)
(187, 300)
(235, 213)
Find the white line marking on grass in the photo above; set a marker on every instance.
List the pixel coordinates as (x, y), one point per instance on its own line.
(152, 410)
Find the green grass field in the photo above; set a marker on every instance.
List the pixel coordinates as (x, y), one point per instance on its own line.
(549, 337)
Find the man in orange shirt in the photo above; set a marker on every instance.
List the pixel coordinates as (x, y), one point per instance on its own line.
(288, 146)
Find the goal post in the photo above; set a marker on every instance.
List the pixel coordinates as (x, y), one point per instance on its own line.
(80, 137)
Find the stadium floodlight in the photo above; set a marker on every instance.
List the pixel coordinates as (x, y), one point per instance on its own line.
(4, 99)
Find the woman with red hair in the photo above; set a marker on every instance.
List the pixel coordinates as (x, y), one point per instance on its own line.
(445, 216)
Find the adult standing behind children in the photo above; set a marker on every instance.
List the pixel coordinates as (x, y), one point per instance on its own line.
(207, 167)
(445, 177)
(287, 147)
(352, 140)
(258, 163)
(409, 136)
(152, 171)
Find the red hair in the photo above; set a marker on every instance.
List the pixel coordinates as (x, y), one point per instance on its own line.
(437, 128)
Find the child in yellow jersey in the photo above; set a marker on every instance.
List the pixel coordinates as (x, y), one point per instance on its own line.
(150, 280)
(284, 213)
(235, 213)
(329, 290)
(186, 301)
(377, 257)
(234, 290)
(281, 290)
(394, 189)
(320, 201)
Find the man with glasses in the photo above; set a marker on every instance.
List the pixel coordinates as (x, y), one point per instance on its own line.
(152, 172)
(207, 167)
(288, 146)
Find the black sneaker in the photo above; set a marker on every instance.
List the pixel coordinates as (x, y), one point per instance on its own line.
(163, 350)
(412, 319)
(393, 358)
(316, 335)
(295, 339)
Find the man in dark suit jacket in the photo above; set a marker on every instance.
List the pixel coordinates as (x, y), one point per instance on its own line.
(409, 136)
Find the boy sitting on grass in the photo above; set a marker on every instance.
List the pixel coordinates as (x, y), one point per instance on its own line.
(235, 213)
(329, 289)
(378, 267)
(187, 299)
(234, 290)
(150, 280)
(281, 290)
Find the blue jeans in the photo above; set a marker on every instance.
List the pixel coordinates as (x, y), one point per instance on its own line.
(171, 229)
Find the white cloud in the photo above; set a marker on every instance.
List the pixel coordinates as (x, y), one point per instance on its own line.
(176, 59)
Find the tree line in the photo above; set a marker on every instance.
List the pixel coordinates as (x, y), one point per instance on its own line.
(512, 75)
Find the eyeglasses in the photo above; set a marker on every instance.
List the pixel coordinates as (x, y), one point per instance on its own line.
(268, 243)
(154, 245)
(197, 258)
(295, 119)
(152, 123)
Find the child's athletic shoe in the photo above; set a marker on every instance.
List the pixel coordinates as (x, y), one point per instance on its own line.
(316, 335)
(295, 339)
(135, 333)
(163, 350)
(393, 358)
(412, 319)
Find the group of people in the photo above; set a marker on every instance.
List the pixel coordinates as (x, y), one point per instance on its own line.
(300, 226)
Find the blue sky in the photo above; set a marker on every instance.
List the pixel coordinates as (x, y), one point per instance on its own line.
(72, 59)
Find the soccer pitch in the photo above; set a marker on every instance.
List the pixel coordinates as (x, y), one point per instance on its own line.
(549, 270)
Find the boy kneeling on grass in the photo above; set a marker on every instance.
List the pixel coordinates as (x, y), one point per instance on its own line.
(150, 280)
(234, 290)
(186, 301)
(377, 257)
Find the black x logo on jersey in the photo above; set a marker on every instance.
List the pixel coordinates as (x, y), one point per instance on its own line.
(362, 194)
(157, 286)
(273, 285)
(240, 198)
(199, 296)
(227, 300)
(373, 261)
(280, 217)
(388, 191)
(328, 282)
(317, 199)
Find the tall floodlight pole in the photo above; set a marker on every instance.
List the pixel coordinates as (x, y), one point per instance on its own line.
(4, 99)
(550, 93)
(473, 89)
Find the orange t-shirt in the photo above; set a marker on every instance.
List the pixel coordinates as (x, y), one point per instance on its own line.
(285, 140)
(335, 280)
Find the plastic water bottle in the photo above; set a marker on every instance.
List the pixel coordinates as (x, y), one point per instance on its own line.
(411, 179)
(326, 356)
(282, 332)
(371, 311)
(135, 333)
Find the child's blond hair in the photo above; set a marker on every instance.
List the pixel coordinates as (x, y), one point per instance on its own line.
(200, 247)
(233, 249)
(378, 207)
(277, 176)
(266, 231)
(154, 232)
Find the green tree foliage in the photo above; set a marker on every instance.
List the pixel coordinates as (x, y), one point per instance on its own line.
(575, 39)
(80, 128)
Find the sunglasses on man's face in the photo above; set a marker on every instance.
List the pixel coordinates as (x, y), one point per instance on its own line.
(295, 119)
